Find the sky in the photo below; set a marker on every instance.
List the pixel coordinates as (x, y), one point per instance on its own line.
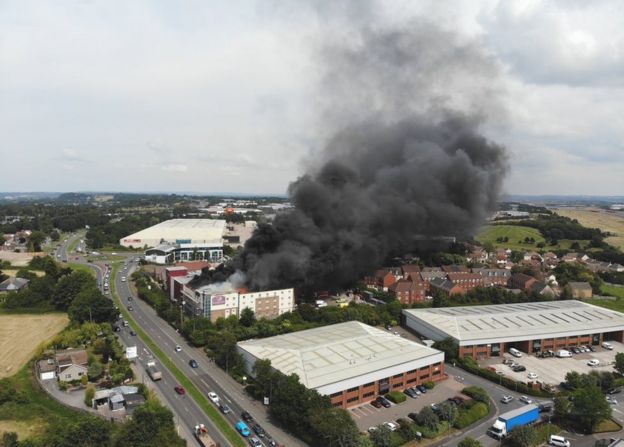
(223, 96)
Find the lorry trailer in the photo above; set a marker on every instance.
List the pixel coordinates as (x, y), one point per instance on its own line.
(153, 371)
(515, 418)
(202, 436)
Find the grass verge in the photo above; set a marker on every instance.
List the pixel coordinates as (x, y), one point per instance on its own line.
(607, 426)
(82, 268)
(228, 431)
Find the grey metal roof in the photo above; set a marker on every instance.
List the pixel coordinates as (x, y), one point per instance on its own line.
(520, 320)
(330, 354)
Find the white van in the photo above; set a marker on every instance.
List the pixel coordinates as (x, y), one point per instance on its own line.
(562, 353)
(558, 441)
(607, 345)
(515, 352)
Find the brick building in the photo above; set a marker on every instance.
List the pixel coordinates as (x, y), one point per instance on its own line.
(488, 331)
(351, 362)
(408, 292)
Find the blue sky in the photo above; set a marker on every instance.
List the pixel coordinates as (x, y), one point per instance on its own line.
(223, 96)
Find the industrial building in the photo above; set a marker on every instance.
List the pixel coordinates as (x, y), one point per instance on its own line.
(180, 240)
(213, 304)
(488, 331)
(351, 362)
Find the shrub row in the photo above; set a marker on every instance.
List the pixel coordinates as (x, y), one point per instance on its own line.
(396, 396)
(468, 416)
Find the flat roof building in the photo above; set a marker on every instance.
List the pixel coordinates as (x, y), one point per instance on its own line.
(484, 331)
(180, 240)
(350, 362)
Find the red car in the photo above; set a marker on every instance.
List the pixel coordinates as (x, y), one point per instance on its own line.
(375, 403)
(179, 389)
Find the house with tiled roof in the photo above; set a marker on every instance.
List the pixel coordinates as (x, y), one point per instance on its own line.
(445, 286)
(13, 284)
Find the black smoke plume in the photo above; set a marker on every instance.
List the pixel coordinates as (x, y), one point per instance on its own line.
(404, 159)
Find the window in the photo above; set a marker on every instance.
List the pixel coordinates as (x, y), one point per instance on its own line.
(336, 394)
(411, 381)
(369, 384)
(353, 399)
(355, 388)
(68, 376)
(397, 385)
(369, 394)
(413, 371)
(396, 376)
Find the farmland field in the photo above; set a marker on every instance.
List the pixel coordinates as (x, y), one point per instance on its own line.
(22, 334)
(598, 218)
(513, 232)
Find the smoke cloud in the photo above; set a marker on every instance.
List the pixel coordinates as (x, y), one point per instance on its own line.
(401, 108)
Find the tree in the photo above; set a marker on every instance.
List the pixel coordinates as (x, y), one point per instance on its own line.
(151, 424)
(382, 437)
(35, 240)
(448, 412)
(562, 407)
(263, 375)
(89, 394)
(469, 442)
(9, 439)
(450, 348)
(69, 286)
(334, 426)
(91, 305)
(523, 436)
(590, 407)
(619, 362)
(427, 418)
(247, 317)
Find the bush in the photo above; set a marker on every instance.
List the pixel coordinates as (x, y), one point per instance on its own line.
(396, 396)
(469, 416)
(429, 385)
(89, 394)
(544, 432)
(478, 394)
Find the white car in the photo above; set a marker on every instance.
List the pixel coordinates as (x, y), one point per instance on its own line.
(607, 345)
(532, 376)
(213, 397)
(506, 399)
(612, 400)
(178, 348)
(526, 400)
(123, 279)
(372, 429)
(593, 362)
(392, 426)
(558, 441)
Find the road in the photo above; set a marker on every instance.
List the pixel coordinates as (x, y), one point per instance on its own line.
(207, 377)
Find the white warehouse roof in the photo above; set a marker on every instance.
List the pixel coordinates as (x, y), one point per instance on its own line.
(497, 323)
(178, 231)
(337, 357)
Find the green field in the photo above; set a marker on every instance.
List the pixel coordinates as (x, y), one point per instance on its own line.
(81, 267)
(516, 235)
(617, 304)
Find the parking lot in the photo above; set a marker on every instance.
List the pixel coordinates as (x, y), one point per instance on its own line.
(366, 415)
(553, 370)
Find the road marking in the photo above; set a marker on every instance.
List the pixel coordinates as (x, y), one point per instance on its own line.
(226, 398)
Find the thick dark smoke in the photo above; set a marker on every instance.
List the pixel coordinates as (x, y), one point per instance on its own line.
(404, 159)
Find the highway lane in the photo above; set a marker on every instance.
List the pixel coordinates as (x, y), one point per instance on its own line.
(186, 412)
(207, 377)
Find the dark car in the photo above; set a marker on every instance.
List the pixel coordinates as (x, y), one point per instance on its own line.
(258, 430)
(413, 416)
(422, 388)
(129, 298)
(179, 389)
(385, 402)
(545, 408)
(591, 348)
(519, 368)
(246, 416)
(614, 391)
(375, 403)
(193, 363)
(116, 328)
(224, 408)
(411, 393)
(575, 350)
(130, 308)
(133, 333)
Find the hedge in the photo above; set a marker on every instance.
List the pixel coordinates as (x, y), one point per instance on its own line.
(429, 385)
(396, 396)
(472, 415)
(478, 394)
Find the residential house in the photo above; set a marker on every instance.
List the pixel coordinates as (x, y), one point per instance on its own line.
(502, 256)
(598, 266)
(494, 277)
(467, 281)
(71, 364)
(455, 268)
(381, 280)
(477, 255)
(46, 369)
(408, 270)
(616, 267)
(445, 286)
(575, 257)
(521, 281)
(529, 255)
(541, 288)
(408, 292)
(580, 289)
(13, 284)
(428, 276)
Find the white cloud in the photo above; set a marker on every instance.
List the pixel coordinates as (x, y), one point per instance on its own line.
(174, 168)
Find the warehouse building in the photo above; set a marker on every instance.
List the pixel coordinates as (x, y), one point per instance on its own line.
(351, 362)
(178, 240)
(488, 331)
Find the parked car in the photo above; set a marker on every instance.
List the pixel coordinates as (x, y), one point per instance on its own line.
(526, 400)
(376, 403)
(435, 408)
(506, 399)
(575, 350)
(593, 362)
(612, 400)
(507, 362)
(519, 368)
(591, 348)
(385, 402)
(532, 376)
(179, 389)
(416, 390)
(129, 298)
(607, 345)
(391, 426)
(545, 407)
(558, 441)
(213, 397)
(411, 393)
(413, 416)
(372, 429)
(422, 389)
(614, 391)
(246, 416)
(515, 352)
(133, 333)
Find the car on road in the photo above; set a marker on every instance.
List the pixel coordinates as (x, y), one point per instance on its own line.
(532, 375)
(246, 416)
(179, 389)
(506, 399)
(193, 363)
(392, 426)
(123, 279)
(593, 362)
(213, 397)
(130, 308)
(258, 430)
(178, 348)
(526, 400)
(242, 428)
(224, 408)
(254, 442)
(129, 298)
(545, 407)
(133, 333)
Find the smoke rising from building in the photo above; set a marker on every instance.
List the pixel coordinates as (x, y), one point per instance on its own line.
(402, 106)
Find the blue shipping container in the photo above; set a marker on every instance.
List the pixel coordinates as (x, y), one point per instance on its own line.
(520, 416)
